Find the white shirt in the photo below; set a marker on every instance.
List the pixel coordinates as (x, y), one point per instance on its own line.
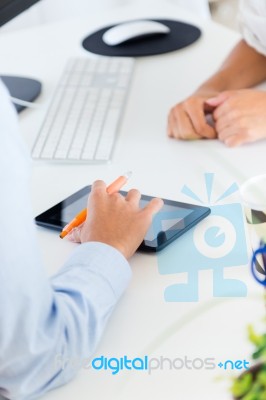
(252, 18)
(40, 318)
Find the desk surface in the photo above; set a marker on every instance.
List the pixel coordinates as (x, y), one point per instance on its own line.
(143, 322)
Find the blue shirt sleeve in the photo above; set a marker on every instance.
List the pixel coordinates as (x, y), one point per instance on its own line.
(43, 318)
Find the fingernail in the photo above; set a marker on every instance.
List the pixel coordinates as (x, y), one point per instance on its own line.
(211, 100)
(229, 143)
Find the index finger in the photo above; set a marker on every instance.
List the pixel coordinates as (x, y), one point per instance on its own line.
(221, 110)
(98, 186)
(153, 206)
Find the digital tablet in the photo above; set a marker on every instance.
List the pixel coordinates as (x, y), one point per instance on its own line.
(172, 221)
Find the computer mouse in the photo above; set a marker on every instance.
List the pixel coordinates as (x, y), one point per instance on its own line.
(131, 30)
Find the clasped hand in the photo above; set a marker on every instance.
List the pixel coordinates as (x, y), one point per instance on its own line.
(239, 116)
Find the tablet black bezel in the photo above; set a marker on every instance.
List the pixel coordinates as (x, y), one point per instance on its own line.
(198, 213)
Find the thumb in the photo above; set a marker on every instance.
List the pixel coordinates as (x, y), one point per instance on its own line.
(74, 234)
(217, 100)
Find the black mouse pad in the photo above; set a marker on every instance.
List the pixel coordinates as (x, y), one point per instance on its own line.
(181, 35)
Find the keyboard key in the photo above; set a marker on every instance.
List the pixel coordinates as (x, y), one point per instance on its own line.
(82, 121)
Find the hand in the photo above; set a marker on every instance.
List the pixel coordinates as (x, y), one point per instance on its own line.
(187, 120)
(116, 220)
(240, 116)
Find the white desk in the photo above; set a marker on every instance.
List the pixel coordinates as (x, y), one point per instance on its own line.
(143, 322)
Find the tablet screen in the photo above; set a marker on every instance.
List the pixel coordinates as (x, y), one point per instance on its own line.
(170, 218)
(173, 219)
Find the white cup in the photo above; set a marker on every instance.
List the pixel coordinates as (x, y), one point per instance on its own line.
(253, 195)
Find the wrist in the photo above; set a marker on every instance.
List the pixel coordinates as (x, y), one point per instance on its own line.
(101, 239)
(216, 84)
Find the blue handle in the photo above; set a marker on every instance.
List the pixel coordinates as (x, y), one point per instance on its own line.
(260, 250)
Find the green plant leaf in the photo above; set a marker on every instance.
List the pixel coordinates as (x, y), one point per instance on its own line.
(261, 378)
(242, 385)
(251, 396)
(258, 353)
(256, 339)
(263, 395)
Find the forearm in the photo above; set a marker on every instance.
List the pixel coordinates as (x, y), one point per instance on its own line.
(243, 68)
(59, 325)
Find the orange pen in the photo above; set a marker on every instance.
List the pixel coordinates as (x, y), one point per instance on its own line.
(81, 216)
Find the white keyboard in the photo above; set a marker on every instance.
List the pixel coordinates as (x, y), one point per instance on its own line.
(82, 120)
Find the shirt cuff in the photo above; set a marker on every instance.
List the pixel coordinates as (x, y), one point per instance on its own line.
(105, 260)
